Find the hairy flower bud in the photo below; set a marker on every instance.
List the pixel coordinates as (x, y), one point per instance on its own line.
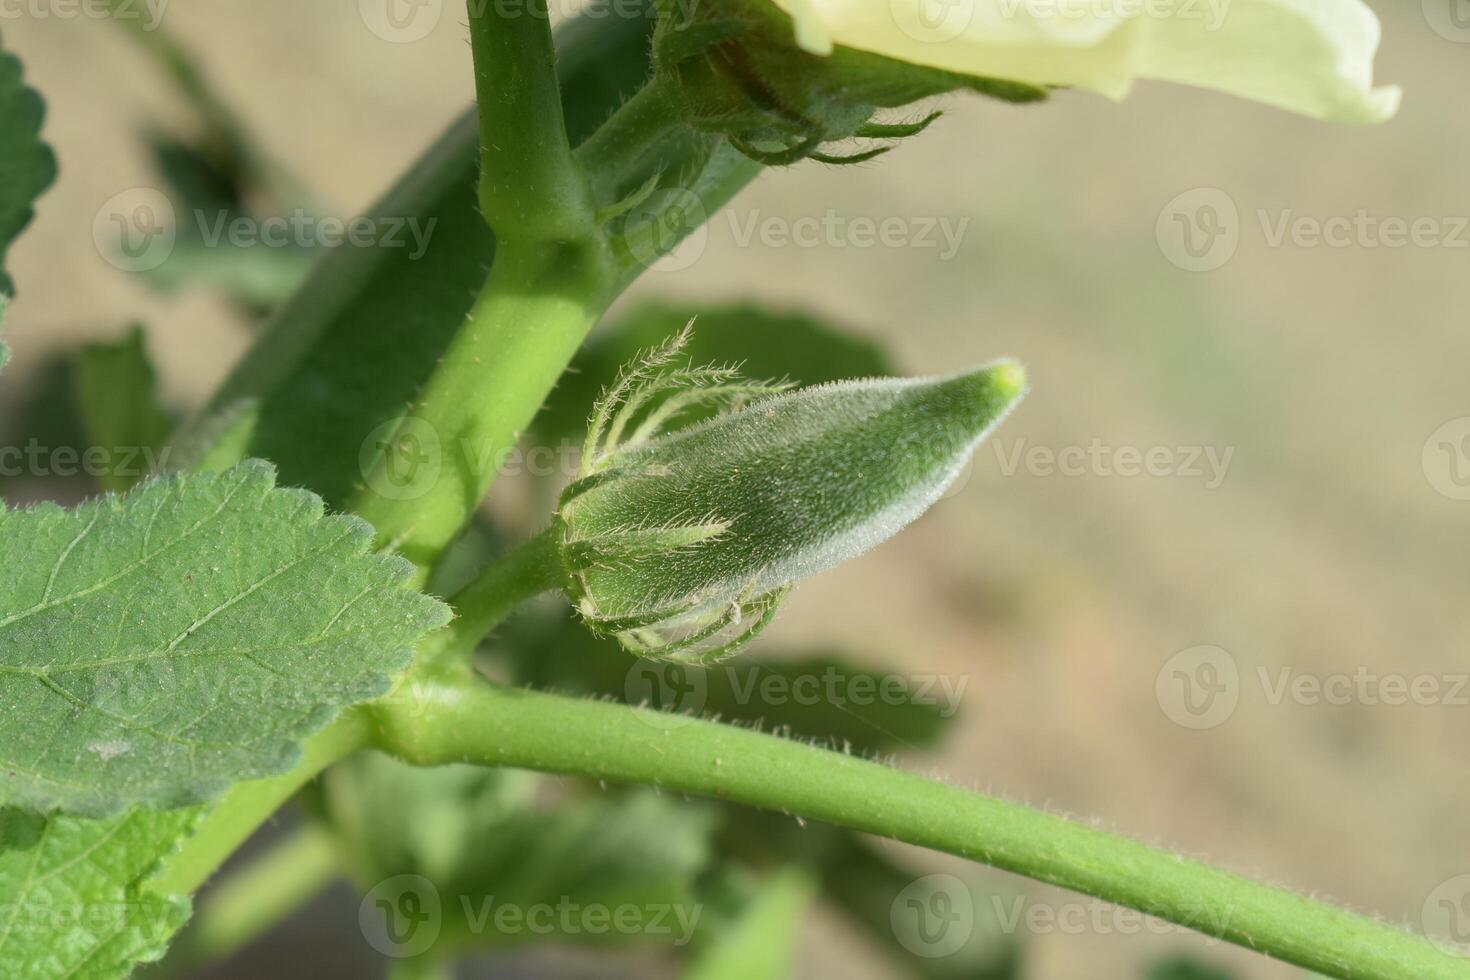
(682, 543)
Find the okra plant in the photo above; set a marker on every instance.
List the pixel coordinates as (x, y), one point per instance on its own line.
(305, 599)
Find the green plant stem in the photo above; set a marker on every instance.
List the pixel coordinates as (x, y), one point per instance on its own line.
(533, 313)
(531, 187)
(241, 811)
(250, 901)
(502, 587)
(476, 722)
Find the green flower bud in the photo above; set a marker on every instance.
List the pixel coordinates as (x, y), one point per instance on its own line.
(682, 543)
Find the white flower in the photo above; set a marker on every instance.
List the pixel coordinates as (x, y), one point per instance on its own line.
(1314, 57)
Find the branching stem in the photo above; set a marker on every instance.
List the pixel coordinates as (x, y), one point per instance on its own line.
(472, 721)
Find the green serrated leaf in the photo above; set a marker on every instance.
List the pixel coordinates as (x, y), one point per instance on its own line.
(27, 165)
(116, 394)
(160, 646)
(762, 943)
(72, 897)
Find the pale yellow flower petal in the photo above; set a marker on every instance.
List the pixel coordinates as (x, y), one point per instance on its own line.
(1314, 57)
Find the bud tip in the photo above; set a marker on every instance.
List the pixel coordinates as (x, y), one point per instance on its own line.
(1009, 378)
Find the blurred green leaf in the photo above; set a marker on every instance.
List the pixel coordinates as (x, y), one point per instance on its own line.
(257, 276)
(1186, 968)
(762, 943)
(116, 394)
(860, 879)
(225, 145)
(601, 871)
(27, 165)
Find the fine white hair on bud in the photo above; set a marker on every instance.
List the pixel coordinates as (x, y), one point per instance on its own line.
(683, 541)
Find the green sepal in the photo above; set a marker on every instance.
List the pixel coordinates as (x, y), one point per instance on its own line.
(742, 75)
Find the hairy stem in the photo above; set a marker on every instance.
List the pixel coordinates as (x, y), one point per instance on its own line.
(612, 155)
(502, 587)
(475, 722)
(533, 313)
(531, 188)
